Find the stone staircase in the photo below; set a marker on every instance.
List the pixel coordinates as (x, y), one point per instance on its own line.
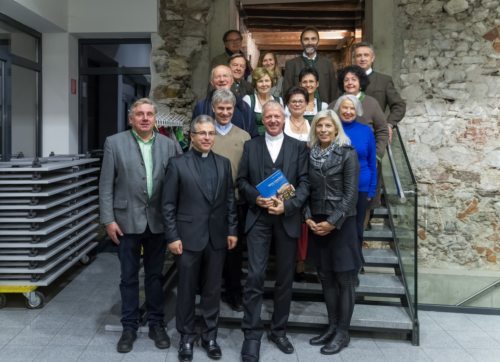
(380, 297)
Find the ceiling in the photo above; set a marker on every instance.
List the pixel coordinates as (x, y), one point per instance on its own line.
(336, 20)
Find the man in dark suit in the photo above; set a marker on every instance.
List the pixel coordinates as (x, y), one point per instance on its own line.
(271, 218)
(130, 189)
(221, 77)
(200, 225)
(328, 89)
(381, 86)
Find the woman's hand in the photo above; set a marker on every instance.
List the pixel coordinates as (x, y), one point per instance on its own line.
(323, 228)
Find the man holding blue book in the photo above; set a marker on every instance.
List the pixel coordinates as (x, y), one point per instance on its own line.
(274, 217)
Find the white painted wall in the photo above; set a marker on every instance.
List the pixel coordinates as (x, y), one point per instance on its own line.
(60, 107)
(130, 17)
(54, 11)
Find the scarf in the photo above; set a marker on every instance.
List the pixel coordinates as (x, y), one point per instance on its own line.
(319, 155)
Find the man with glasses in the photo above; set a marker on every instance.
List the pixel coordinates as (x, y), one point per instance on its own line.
(130, 189)
(328, 89)
(232, 45)
(200, 226)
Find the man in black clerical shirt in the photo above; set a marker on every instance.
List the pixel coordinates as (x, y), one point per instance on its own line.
(200, 225)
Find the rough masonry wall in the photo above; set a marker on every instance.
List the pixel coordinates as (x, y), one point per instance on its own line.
(450, 77)
(179, 53)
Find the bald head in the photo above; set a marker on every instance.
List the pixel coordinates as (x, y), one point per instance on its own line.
(221, 77)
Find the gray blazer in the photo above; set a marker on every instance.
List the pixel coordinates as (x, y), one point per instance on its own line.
(123, 195)
(381, 87)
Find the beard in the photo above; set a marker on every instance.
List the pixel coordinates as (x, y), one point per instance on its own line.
(310, 49)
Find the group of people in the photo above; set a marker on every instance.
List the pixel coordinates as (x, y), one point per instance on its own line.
(324, 133)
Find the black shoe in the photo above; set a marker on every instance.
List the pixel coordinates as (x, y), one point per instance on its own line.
(234, 302)
(212, 348)
(300, 277)
(282, 343)
(126, 342)
(250, 351)
(325, 337)
(185, 352)
(340, 341)
(157, 333)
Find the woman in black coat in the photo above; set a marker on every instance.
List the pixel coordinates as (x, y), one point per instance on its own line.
(331, 217)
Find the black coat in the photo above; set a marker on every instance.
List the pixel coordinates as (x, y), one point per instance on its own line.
(189, 214)
(251, 173)
(334, 188)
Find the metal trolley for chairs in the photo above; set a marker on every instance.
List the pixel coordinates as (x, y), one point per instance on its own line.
(48, 221)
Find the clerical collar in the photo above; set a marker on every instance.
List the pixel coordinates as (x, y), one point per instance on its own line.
(274, 138)
(200, 154)
(369, 71)
(313, 58)
(223, 129)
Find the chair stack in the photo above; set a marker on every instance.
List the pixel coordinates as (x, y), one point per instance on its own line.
(48, 220)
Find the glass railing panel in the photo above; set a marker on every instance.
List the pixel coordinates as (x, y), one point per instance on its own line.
(401, 199)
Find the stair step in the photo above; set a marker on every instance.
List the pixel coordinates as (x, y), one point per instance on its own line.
(378, 233)
(370, 283)
(313, 314)
(384, 257)
(381, 212)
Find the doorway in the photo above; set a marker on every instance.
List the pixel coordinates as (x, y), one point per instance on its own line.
(113, 74)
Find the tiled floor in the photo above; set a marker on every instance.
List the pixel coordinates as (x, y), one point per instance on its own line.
(72, 327)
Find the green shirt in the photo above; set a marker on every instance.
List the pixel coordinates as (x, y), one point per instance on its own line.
(147, 156)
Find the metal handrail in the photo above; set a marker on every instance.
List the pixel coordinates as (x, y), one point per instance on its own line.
(479, 293)
(395, 173)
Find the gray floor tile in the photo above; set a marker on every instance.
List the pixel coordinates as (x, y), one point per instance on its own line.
(73, 336)
(147, 356)
(8, 333)
(31, 336)
(448, 354)
(66, 353)
(437, 339)
(361, 355)
(473, 339)
(495, 334)
(453, 321)
(410, 353)
(485, 354)
(486, 322)
(392, 343)
(101, 353)
(427, 322)
(15, 353)
(15, 318)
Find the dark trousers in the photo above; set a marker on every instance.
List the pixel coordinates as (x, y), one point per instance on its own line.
(259, 237)
(361, 207)
(232, 273)
(339, 293)
(129, 252)
(203, 268)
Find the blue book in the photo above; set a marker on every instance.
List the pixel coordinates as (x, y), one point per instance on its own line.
(276, 185)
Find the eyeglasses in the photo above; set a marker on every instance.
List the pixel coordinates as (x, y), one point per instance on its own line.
(239, 40)
(204, 133)
(297, 102)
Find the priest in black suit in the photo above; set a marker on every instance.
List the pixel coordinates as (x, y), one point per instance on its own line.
(200, 225)
(271, 218)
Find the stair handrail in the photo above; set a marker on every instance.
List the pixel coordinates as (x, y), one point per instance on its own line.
(395, 173)
(479, 293)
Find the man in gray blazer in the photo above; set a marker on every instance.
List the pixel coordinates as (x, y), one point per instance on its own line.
(309, 39)
(381, 86)
(130, 193)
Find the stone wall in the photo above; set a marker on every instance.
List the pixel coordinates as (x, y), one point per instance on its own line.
(450, 77)
(180, 53)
